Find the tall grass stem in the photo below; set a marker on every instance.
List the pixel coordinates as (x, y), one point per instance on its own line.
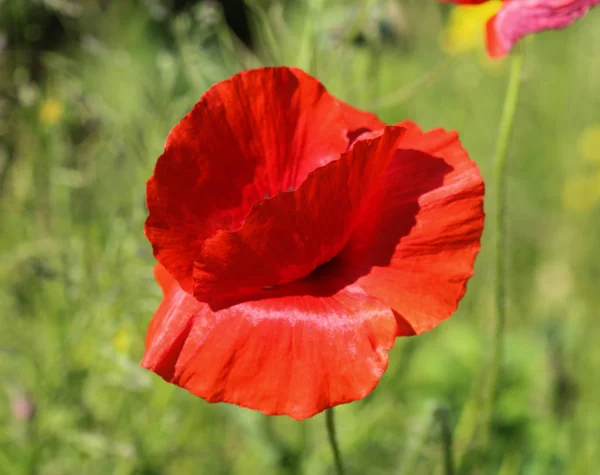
(330, 422)
(443, 416)
(504, 134)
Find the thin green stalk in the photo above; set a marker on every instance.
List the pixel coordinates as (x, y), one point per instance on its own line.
(307, 52)
(409, 91)
(411, 458)
(329, 421)
(443, 416)
(362, 17)
(506, 125)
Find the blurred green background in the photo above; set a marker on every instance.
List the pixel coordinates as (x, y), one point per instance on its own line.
(88, 92)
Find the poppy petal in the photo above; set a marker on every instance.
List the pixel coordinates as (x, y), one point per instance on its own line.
(416, 248)
(248, 137)
(359, 121)
(164, 279)
(288, 236)
(294, 355)
(519, 18)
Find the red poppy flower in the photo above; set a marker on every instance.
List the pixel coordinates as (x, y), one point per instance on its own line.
(297, 238)
(519, 18)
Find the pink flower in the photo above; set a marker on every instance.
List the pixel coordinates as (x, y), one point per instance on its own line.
(22, 407)
(522, 17)
(519, 18)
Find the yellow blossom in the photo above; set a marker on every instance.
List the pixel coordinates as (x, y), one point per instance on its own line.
(581, 192)
(122, 340)
(589, 144)
(51, 111)
(466, 27)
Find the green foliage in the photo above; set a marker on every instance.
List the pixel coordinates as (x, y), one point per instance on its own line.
(81, 126)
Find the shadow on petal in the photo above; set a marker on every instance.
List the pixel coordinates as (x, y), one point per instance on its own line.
(376, 235)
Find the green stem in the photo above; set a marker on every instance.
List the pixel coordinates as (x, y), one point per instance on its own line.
(443, 417)
(409, 91)
(506, 125)
(329, 421)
